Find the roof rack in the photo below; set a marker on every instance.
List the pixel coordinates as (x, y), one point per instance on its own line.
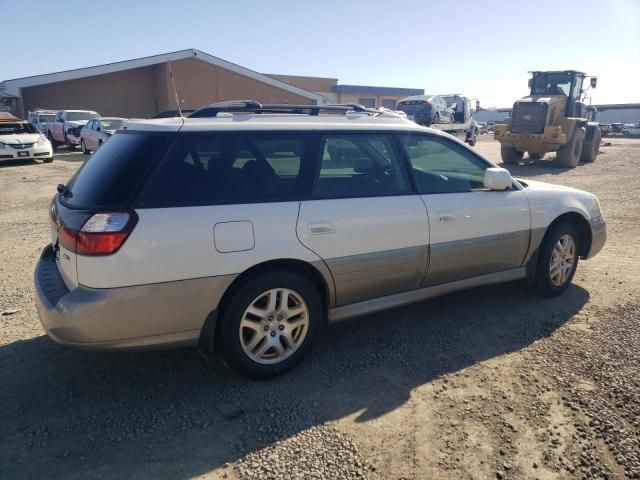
(251, 106)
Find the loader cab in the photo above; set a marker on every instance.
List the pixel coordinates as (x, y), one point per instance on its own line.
(568, 83)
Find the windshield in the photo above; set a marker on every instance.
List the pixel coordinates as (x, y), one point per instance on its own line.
(551, 84)
(47, 117)
(17, 128)
(76, 116)
(111, 124)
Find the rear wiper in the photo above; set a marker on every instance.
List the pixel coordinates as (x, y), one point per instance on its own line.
(64, 191)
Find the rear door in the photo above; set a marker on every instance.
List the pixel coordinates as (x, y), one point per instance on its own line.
(362, 218)
(474, 231)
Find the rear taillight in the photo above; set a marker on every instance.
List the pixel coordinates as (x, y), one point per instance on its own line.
(103, 234)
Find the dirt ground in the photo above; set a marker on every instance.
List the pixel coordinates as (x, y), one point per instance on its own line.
(489, 383)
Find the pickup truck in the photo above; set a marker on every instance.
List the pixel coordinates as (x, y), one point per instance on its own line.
(65, 130)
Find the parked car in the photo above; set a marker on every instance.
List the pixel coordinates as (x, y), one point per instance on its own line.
(98, 131)
(41, 119)
(21, 140)
(426, 109)
(254, 229)
(617, 128)
(631, 129)
(66, 128)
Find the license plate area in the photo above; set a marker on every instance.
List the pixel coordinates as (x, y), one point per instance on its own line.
(23, 154)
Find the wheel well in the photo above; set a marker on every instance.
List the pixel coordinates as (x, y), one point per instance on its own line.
(583, 227)
(292, 265)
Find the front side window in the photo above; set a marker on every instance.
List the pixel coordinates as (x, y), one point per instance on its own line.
(442, 166)
(359, 165)
(216, 169)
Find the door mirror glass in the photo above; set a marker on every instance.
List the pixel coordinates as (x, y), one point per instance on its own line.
(594, 82)
(497, 178)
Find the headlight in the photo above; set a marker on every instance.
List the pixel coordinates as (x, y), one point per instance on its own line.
(594, 209)
(42, 141)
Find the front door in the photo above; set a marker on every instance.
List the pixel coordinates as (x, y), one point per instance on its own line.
(474, 231)
(363, 220)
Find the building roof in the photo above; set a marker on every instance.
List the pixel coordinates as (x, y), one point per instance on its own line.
(13, 86)
(369, 90)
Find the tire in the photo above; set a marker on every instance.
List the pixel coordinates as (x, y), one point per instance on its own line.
(237, 336)
(83, 147)
(47, 160)
(472, 140)
(569, 154)
(591, 149)
(535, 155)
(548, 282)
(54, 144)
(510, 154)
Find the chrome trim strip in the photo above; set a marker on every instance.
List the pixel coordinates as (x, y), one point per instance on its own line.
(404, 298)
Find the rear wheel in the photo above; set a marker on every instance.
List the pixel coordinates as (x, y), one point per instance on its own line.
(557, 260)
(569, 155)
(591, 149)
(269, 324)
(510, 154)
(84, 148)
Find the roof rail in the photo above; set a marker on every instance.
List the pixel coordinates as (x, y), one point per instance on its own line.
(251, 106)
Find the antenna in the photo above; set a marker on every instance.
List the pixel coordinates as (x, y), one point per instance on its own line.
(175, 92)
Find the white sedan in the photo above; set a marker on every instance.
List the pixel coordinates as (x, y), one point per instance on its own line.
(98, 131)
(21, 140)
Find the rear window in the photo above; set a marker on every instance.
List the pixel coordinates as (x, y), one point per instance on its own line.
(111, 176)
(223, 168)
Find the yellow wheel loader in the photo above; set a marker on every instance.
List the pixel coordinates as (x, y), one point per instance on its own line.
(553, 118)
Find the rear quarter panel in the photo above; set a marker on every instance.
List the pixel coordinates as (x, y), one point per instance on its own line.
(170, 244)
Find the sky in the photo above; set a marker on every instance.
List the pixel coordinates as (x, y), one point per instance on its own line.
(480, 48)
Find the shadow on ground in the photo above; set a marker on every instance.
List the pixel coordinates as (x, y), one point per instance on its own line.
(68, 414)
(545, 166)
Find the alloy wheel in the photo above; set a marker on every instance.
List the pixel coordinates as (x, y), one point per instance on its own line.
(563, 258)
(274, 326)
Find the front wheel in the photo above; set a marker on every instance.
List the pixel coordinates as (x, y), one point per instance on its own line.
(569, 154)
(84, 148)
(510, 154)
(269, 324)
(557, 260)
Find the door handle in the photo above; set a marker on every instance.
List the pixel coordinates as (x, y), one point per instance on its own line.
(318, 228)
(446, 217)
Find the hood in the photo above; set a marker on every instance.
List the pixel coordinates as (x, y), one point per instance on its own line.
(76, 123)
(536, 185)
(20, 139)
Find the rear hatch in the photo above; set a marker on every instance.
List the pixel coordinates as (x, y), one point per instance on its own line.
(90, 216)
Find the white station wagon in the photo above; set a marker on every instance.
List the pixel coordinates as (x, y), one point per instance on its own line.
(245, 228)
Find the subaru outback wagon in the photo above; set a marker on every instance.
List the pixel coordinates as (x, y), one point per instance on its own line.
(246, 228)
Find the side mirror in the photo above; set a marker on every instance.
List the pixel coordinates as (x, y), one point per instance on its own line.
(530, 82)
(594, 82)
(496, 178)
(97, 129)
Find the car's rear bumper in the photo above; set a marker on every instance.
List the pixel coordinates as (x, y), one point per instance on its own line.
(598, 236)
(144, 316)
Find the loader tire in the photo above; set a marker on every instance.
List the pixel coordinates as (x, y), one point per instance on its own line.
(569, 154)
(510, 154)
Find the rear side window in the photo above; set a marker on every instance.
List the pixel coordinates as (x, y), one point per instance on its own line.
(359, 165)
(111, 176)
(224, 168)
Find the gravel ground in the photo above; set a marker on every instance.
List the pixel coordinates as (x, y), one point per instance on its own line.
(488, 383)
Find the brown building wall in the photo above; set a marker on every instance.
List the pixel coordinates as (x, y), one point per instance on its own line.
(131, 93)
(143, 92)
(313, 84)
(199, 83)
